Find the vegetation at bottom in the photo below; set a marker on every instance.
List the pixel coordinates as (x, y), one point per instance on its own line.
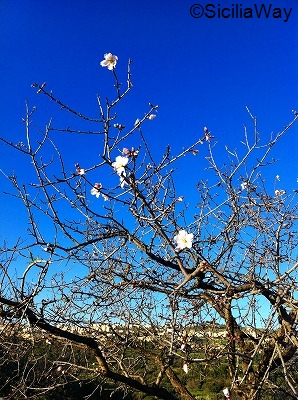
(55, 370)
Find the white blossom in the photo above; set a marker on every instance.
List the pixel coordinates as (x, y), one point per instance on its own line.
(110, 61)
(226, 392)
(81, 171)
(105, 197)
(244, 185)
(183, 240)
(95, 191)
(185, 367)
(151, 116)
(279, 193)
(120, 164)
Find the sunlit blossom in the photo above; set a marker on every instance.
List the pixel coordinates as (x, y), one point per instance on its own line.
(120, 164)
(109, 61)
(151, 116)
(279, 193)
(183, 240)
(226, 393)
(180, 198)
(185, 367)
(80, 171)
(105, 197)
(244, 185)
(95, 191)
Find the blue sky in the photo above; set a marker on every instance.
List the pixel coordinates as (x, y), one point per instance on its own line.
(200, 71)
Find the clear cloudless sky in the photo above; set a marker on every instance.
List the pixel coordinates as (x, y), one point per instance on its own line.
(200, 71)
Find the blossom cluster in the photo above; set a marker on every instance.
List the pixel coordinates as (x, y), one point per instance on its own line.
(119, 167)
(279, 193)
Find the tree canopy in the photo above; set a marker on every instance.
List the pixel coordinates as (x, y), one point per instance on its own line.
(122, 283)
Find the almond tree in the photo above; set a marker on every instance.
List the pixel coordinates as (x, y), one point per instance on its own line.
(122, 282)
